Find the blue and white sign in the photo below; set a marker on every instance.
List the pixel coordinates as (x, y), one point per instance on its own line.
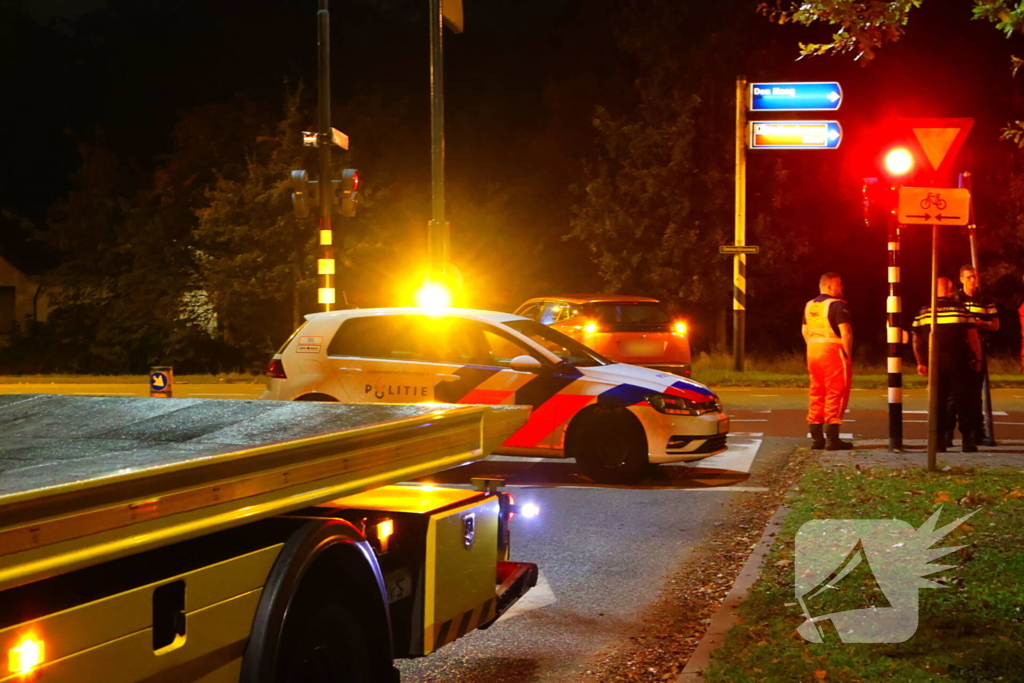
(795, 96)
(158, 381)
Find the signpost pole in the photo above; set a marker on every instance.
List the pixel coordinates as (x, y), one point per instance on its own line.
(739, 271)
(933, 357)
(438, 232)
(986, 389)
(325, 252)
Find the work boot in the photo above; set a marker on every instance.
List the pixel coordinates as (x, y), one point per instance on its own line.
(967, 443)
(817, 436)
(832, 440)
(988, 442)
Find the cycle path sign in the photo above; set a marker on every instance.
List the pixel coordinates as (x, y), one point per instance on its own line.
(933, 206)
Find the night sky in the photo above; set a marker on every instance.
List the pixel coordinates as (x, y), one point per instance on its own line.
(522, 83)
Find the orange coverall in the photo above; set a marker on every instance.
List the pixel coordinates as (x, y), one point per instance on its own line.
(830, 369)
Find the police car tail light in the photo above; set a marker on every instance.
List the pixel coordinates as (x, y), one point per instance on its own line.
(671, 405)
(275, 369)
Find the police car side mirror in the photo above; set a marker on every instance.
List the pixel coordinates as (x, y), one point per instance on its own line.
(526, 363)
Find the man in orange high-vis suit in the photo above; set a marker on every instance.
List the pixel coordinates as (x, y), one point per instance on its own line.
(829, 335)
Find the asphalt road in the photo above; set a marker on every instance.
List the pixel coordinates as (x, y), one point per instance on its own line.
(604, 555)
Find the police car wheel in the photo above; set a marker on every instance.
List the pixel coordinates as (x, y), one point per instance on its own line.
(609, 445)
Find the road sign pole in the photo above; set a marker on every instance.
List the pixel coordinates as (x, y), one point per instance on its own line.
(325, 252)
(894, 336)
(739, 271)
(438, 239)
(965, 181)
(933, 357)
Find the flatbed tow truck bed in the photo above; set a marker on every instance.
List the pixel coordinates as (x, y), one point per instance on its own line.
(90, 480)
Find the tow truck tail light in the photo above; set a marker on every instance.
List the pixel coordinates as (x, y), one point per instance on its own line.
(275, 369)
(28, 655)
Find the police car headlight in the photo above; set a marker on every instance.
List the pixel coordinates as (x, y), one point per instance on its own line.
(672, 405)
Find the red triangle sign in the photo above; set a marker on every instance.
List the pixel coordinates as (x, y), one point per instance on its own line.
(940, 140)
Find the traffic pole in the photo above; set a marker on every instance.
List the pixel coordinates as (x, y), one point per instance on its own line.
(739, 270)
(933, 357)
(325, 251)
(966, 182)
(894, 337)
(438, 233)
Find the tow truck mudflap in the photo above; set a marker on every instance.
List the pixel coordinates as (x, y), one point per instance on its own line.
(514, 579)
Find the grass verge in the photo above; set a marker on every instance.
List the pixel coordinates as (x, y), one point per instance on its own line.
(972, 630)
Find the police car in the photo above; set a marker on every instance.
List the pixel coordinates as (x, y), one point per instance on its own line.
(613, 419)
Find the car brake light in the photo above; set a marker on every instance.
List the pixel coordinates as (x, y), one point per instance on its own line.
(591, 327)
(679, 328)
(275, 369)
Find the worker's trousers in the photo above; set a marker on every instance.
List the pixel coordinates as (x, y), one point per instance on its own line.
(831, 376)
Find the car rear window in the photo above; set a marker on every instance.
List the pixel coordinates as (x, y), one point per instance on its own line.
(637, 313)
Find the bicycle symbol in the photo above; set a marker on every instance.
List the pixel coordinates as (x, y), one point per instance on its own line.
(933, 199)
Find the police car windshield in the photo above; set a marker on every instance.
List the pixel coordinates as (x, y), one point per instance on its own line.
(569, 350)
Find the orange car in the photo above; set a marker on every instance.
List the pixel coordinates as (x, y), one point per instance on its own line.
(626, 329)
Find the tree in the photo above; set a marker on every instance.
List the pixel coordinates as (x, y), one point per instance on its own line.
(254, 258)
(864, 26)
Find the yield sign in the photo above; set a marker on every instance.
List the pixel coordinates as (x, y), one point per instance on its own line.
(940, 139)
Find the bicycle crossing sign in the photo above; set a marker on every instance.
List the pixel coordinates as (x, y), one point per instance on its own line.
(934, 206)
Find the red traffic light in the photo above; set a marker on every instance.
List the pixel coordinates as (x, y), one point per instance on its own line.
(898, 162)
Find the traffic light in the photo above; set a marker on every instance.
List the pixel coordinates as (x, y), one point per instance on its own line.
(301, 191)
(879, 202)
(349, 193)
(898, 163)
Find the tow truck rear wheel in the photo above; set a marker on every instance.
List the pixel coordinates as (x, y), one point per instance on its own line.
(609, 444)
(323, 643)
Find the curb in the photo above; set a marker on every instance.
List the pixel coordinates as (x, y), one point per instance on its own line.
(725, 617)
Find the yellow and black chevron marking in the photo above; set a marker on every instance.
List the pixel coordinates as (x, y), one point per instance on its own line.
(462, 624)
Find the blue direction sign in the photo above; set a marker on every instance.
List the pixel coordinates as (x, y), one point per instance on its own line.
(795, 134)
(795, 96)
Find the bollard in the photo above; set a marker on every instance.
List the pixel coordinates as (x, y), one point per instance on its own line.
(161, 379)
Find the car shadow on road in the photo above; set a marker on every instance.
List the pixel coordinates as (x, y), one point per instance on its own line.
(558, 474)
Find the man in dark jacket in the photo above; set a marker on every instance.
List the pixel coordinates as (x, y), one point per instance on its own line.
(959, 349)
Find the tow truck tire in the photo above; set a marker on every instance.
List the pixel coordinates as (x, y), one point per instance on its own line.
(323, 643)
(609, 444)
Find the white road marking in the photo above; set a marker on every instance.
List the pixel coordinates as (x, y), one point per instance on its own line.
(841, 436)
(519, 458)
(737, 457)
(539, 596)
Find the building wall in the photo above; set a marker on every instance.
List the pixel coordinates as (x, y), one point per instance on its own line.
(25, 288)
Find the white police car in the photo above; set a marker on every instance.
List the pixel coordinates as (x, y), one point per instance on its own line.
(612, 418)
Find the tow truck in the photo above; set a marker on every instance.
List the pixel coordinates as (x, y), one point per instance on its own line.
(160, 540)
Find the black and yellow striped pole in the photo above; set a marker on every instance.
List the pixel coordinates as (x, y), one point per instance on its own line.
(894, 337)
(739, 270)
(325, 251)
